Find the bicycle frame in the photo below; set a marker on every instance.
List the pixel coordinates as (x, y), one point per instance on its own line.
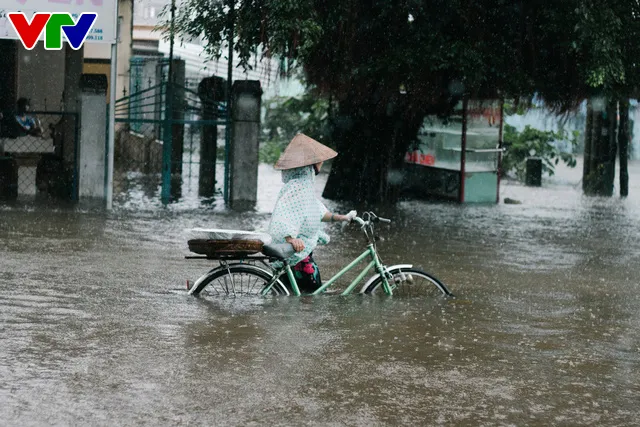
(369, 253)
(375, 262)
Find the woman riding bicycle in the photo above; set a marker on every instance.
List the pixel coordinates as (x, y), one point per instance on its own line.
(298, 214)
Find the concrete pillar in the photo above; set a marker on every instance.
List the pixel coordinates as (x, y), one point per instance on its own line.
(243, 155)
(211, 90)
(8, 74)
(73, 60)
(93, 137)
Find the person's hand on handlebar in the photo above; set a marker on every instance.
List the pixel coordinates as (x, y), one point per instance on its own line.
(332, 217)
(298, 244)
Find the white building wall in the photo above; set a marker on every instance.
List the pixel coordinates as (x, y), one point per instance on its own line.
(145, 19)
(266, 71)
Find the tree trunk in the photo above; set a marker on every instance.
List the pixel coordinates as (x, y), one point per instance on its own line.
(592, 179)
(600, 150)
(371, 147)
(623, 142)
(610, 148)
(588, 149)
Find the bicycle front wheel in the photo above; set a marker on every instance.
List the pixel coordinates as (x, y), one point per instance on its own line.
(237, 280)
(409, 282)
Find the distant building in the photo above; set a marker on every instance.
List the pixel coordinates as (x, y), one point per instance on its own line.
(97, 57)
(148, 44)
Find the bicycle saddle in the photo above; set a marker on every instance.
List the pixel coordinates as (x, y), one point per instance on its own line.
(278, 250)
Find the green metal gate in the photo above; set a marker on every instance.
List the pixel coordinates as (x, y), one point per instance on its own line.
(170, 142)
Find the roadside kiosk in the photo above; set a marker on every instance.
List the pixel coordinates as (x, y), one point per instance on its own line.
(458, 157)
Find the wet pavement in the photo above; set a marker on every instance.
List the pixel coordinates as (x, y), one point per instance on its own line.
(96, 327)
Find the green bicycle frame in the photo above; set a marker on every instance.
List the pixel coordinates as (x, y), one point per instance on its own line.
(292, 280)
(375, 262)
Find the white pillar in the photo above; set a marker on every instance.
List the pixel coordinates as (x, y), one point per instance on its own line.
(92, 135)
(112, 127)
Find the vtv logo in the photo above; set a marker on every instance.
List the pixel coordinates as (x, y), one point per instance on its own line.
(54, 24)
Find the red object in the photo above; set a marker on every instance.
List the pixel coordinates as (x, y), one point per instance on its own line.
(29, 32)
(421, 159)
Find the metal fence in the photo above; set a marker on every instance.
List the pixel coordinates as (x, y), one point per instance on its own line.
(169, 144)
(43, 165)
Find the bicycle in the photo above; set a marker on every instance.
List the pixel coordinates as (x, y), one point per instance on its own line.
(240, 275)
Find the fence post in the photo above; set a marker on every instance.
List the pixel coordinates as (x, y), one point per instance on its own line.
(178, 106)
(211, 90)
(243, 156)
(173, 133)
(166, 144)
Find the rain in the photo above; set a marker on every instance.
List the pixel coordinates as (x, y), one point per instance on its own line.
(525, 208)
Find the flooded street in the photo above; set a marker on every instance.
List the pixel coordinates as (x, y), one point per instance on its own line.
(96, 327)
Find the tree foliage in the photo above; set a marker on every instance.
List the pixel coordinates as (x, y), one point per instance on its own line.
(387, 63)
(287, 116)
(561, 50)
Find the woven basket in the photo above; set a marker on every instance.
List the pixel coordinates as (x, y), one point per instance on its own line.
(213, 248)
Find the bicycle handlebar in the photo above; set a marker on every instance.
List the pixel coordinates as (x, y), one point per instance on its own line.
(371, 218)
(358, 220)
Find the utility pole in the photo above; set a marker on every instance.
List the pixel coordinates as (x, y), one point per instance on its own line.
(227, 133)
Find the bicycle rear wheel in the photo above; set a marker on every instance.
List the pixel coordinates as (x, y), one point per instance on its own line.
(409, 282)
(237, 280)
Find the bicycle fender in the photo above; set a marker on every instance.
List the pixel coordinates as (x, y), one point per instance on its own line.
(390, 268)
(202, 278)
(264, 270)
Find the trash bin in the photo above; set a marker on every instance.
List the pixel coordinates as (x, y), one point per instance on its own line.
(533, 173)
(8, 178)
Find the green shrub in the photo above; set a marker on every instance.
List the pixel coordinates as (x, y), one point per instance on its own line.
(270, 151)
(534, 143)
(286, 117)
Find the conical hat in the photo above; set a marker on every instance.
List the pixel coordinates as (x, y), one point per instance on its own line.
(304, 151)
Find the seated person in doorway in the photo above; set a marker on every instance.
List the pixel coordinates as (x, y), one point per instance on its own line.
(28, 123)
(14, 124)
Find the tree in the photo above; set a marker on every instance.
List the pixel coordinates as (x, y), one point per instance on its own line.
(608, 34)
(387, 63)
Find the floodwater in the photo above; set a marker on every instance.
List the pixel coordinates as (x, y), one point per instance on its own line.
(96, 327)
